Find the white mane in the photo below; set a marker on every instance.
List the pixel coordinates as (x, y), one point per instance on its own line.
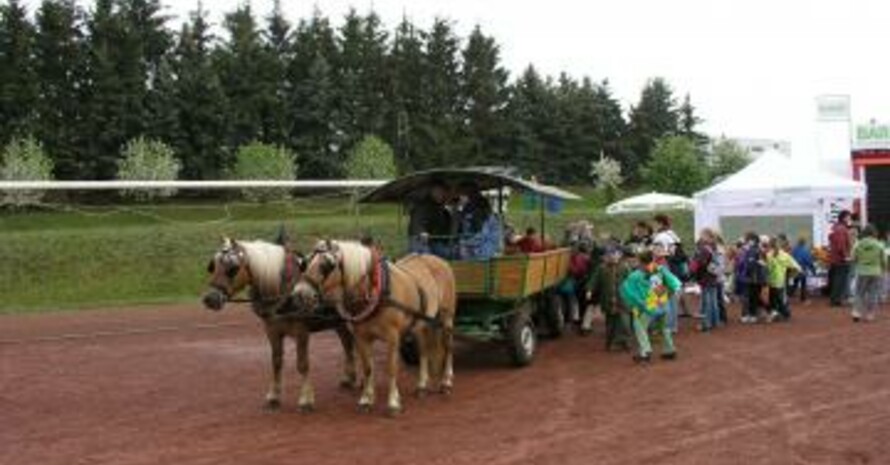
(356, 261)
(265, 261)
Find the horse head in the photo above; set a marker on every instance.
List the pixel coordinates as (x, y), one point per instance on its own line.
(333, 270)
(229, 274)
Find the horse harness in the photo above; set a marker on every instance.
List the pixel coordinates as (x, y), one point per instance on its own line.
(376, 295)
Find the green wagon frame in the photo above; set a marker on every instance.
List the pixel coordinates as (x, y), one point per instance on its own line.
(505, 299)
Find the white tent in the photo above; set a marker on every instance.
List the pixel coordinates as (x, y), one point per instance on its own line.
(651, 202)
(771, 192)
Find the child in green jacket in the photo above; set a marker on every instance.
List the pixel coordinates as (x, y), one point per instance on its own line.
(646, 292)
(869, 258)
(607, 285)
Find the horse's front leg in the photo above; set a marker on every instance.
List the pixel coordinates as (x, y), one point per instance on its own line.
(394, 405)
(364, 346)
(307, 392)
(276, 344)
(349, 378)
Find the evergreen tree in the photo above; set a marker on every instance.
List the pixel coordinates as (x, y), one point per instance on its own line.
(361, 75)
(689, 122)
(59, 62)
(317, 128)
(200, 103)
(18, 80)
(526, 112)
(439, 122)
(104, 92)
(278, 52)
(240, 64)
(654, 117)
(484, 97)
(611, 126)
(406, 96)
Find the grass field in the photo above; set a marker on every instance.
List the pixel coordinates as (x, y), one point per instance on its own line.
(71, 258)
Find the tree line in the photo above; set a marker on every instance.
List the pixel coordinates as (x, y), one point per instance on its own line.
(85, 81)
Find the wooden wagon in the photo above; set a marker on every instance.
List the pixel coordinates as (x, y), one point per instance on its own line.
(507, 298)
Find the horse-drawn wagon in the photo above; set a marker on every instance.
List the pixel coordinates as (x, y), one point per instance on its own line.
(504, 298)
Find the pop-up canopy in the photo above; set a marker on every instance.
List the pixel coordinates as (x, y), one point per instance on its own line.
(771, 192)
(650, 202)
(416, 184)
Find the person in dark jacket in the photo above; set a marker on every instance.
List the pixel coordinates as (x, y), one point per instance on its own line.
(840, 243)
(430, 224)
(752, 269)
(707, 270)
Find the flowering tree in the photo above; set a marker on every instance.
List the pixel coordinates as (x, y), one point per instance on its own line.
(24, 160)
(148, 160)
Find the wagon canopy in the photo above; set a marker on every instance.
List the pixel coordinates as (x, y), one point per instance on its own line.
(416, 184)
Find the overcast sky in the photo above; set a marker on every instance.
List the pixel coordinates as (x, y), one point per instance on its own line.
(752, 67)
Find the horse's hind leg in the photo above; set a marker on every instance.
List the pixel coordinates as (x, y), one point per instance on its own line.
(394, 405)
(276, 344)
(446, 332)
(425, 343)
(307, 392)
(347, 340)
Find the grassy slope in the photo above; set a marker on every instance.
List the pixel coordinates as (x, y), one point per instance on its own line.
(106, 257)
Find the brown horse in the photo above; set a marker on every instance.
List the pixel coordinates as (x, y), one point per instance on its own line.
(384, 301)
(270, 271)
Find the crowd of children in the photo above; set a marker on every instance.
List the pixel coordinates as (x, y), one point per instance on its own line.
(638, 284)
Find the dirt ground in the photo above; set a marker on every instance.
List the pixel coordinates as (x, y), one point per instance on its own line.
(182, 385)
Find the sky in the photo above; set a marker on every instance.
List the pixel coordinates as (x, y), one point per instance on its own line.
(753, 68)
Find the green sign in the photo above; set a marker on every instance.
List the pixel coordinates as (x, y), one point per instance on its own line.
(872, 136)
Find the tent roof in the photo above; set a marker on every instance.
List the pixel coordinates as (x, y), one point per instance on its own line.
(650, 202)
(776, 175)
(486, 178)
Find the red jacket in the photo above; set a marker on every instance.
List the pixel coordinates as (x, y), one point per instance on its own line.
(531, 244)
(579, 265)
(840, 244)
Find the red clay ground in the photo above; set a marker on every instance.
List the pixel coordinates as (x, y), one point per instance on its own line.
(184, 386)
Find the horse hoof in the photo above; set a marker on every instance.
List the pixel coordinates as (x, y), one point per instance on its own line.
(393, 412)
(306, 408)
(364, 408)
(272, 405)
(446, 390)
(421, 393)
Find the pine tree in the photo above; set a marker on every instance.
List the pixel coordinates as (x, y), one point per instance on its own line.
(317, 125)
(240, 63)
(484, 97)
(654, 117)
(59, 56)
(689, 122)
(18, 80)
(200, 103)
(104, 92)
(439, 124)
(526, 110)
(278, 53)
(406, 64)
(611, 126)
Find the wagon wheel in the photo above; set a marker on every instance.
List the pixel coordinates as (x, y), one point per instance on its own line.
(554, 314)
(409, 350)
(522, 341)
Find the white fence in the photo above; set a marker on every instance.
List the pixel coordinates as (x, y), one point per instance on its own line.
(114, 185)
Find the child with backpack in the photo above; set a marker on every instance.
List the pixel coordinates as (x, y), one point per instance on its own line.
(752, 273)
(645, 292)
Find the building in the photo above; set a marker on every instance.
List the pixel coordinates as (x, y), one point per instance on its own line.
(871, 164)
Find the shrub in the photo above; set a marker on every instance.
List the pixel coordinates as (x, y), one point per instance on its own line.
(676, 167)
(24, 160)
(606, 173)
(371, 158)
(148, 160)
(258, 161)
